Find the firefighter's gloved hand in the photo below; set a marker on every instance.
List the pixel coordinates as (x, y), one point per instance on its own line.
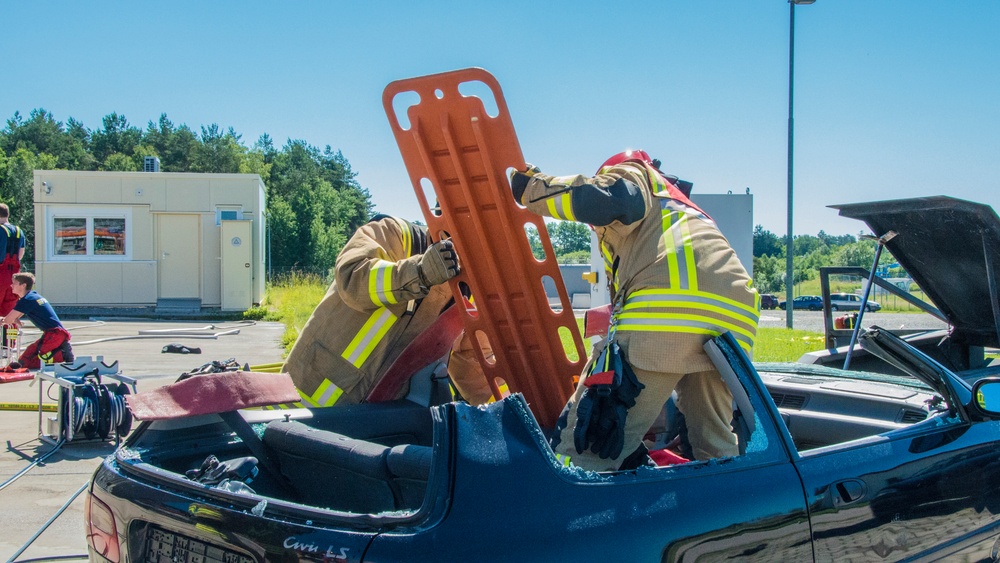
(603, 408)
(519, 180)
(438, 264)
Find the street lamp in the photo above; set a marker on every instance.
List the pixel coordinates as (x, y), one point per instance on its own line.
(789, 250)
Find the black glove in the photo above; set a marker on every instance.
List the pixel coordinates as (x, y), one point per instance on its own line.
(519, 180)
(213, 471)
(438, 264)
(603, 408)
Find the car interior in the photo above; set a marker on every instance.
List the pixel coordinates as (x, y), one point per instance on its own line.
(374, 458)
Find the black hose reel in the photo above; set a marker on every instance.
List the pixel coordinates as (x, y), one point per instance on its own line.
(98, 409)
(91, 401)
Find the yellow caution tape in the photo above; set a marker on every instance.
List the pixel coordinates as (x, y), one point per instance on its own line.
(26, 407)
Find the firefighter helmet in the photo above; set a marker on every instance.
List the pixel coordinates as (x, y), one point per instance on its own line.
(631, 155)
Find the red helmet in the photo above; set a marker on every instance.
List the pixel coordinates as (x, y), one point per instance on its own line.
(631, 155)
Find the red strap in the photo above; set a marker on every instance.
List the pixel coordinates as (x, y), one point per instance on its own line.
(600, 378)
(431, 344)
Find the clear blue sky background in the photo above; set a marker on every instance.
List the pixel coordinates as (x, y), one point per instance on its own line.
(893, 98)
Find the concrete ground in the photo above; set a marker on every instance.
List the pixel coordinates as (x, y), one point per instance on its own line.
(34, 497)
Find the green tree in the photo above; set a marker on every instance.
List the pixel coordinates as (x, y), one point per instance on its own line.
(766, 243)
(118, 162)
(282, 226)
(174, 145)
(769, 273)
(860, 254)
(218, 152)
(18, 193)
(535, 241)
(116, 136)
(42, 133)
(325, 205)
(568, 237)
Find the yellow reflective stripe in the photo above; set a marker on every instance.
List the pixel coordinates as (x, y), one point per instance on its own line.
(673, 269)
(682, 270)
(561, 207)
(407, 238)
(692, 324)
(609, 261)
(566, 203)
(692, 269)
(369, 336)
(658, 297)
(283, 406)
(380, 283)
(326, 395)
(654, 180)
(564, 460)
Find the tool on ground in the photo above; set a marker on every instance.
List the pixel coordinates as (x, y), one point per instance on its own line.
(91, 403)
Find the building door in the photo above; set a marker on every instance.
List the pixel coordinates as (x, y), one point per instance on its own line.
(237, 251)
(179, 256)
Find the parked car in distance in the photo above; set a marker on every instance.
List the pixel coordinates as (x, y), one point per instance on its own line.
(850, 302)
(811, 302)
(768, 301)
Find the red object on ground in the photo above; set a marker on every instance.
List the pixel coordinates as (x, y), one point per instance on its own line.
(213, 393)
(667, 457)
(456, 152)
(9, 375)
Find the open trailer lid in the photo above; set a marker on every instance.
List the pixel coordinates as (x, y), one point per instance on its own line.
(951, 248)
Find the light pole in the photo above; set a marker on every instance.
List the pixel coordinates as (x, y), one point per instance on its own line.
(789, 249)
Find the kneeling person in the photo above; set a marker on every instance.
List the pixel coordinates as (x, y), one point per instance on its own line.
(54, 344)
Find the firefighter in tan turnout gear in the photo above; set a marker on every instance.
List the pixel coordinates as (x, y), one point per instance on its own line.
(389, 285)
(675, 282)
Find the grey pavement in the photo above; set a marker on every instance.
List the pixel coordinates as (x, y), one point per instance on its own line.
(813, 320)
(28, 501)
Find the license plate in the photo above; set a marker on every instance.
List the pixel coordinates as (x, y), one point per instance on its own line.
(164, 546)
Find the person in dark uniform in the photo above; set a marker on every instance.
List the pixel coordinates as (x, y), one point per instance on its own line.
(12, 245)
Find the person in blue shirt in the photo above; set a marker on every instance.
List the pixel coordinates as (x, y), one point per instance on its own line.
(53, 346)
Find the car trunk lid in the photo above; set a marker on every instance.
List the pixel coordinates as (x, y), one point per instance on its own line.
(949, 247)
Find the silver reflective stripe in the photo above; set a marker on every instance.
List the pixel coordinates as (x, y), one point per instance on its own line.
(696, 301)
(671, 323)
(380, 283)
(364, 342)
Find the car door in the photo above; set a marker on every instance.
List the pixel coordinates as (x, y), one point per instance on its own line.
(511, 500)
(930, 490)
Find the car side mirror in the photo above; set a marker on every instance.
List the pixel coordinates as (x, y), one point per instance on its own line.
(986, 395)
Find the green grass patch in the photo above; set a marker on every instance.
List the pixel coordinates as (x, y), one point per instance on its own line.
(785, 345)
(291, 300)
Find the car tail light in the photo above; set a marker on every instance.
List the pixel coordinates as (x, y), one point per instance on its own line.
(102, 534)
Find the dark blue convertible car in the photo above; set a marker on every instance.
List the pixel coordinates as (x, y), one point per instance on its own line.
(834, 466)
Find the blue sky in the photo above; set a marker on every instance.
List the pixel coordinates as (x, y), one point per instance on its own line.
(893, 98)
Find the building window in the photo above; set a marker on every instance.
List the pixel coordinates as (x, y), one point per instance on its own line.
(228, 213)
(70, 236)
(109, 236)
(89, 234)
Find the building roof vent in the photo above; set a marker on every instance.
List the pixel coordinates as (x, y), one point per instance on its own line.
(151, 164)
